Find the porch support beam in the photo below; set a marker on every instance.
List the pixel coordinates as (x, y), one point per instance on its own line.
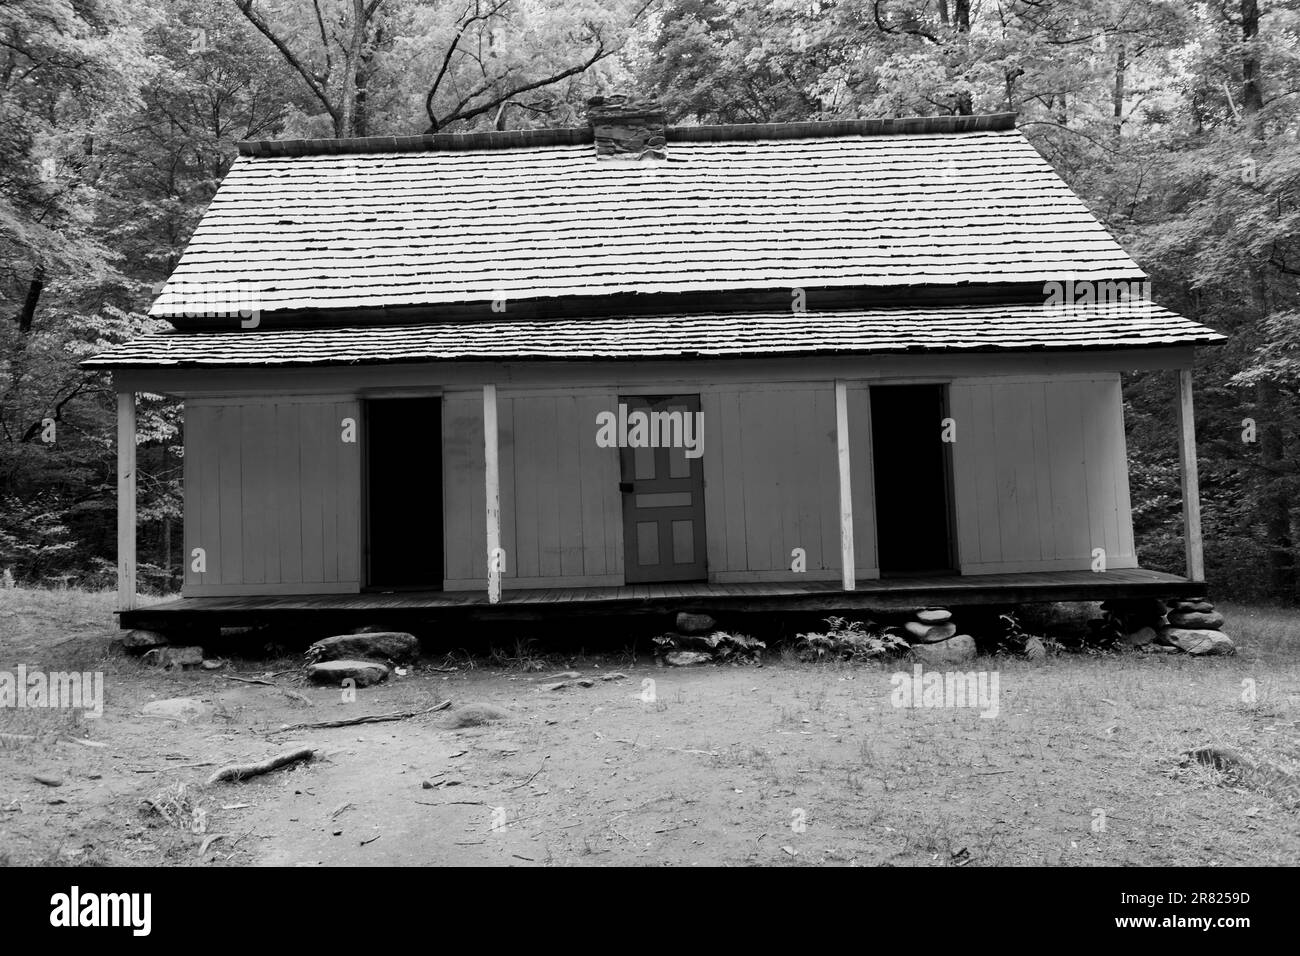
(126, 583)
(492, 483)
(1191, 484)
(847, 562)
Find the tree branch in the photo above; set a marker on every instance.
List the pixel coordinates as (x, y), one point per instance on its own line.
(313, 84)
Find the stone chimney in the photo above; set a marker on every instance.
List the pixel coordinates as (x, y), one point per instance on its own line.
(627, 127)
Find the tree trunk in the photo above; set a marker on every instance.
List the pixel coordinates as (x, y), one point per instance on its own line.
(1275, 501)
(347, 122)
(961, 12)
(28, 312)
(1117, 96)
(1252, 92)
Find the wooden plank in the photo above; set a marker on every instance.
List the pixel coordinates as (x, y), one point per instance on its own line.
(204, 434)
(1069, 488)
(1193, 545)
(729, 444)
(255, 513)
(492, 486)
(191, 493)
(463, 487)
(1123, 498)
(507, 448)
(1043, 494)
(760, 498)
(570, 434)
(328, 468)
(126, 485)
(843, 443)
(865, 549)
(805, 479)
(528, 504)
(311, 441)
(350, 504)
(545, 473)
(982, 435)
(965, 453)
(1099, 470)
(589, 486)
(231, 487)
(714, 463)
(1016, 466)
(821, 433)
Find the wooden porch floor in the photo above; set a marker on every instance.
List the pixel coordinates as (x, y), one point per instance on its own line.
(410, 608)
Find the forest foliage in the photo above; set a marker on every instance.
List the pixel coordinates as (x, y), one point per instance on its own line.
(1176, 122)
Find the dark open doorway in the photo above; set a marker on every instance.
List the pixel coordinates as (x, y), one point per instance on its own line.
(403, 438)
(912, 479)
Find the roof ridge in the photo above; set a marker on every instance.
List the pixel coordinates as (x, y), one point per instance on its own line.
(573, 136)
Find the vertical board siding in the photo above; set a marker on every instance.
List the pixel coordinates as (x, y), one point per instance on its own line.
(561, 511)
(288, 494)
(1041, 474)
(273, 495)
(464, 497)
(771, 479)
(862, 481)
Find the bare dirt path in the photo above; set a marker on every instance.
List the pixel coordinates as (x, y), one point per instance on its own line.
(785, 764)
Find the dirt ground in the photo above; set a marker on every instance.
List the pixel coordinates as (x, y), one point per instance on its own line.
(784, 764)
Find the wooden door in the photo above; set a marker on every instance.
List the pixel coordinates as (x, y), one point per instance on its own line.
(663, 501)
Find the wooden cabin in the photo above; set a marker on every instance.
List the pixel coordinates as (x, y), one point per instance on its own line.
(811, 364)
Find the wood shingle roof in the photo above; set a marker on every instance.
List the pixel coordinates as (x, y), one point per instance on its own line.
(427, 224)
(988, 328)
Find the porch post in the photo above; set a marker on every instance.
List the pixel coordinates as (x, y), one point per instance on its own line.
(126, 500)
(492, 481)
(846, 487)
(1191, 485)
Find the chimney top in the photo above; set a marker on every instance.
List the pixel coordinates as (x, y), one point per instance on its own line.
(628, 127)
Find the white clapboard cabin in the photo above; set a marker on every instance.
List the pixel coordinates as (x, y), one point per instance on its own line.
(826, 365)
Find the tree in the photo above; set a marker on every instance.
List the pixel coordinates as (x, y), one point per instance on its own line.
(465, 61)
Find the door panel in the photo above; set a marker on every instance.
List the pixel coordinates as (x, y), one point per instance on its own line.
(663, 500)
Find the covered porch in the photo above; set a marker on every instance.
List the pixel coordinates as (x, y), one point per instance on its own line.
(414, 608)
(493, 600)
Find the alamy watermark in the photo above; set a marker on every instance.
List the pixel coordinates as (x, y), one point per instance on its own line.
(228, 300)
(1091, 294)
(922, 688)
(75, 908)
(651, 429)
(55, 690)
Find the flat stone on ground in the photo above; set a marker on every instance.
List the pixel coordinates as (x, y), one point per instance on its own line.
(184, 709)
(930, 633)
(1197, 641)
(933, 615)
(686, 658)
(1207, 620)
(364, 673)
(396, 646)
(955, 650)
(688, 623)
